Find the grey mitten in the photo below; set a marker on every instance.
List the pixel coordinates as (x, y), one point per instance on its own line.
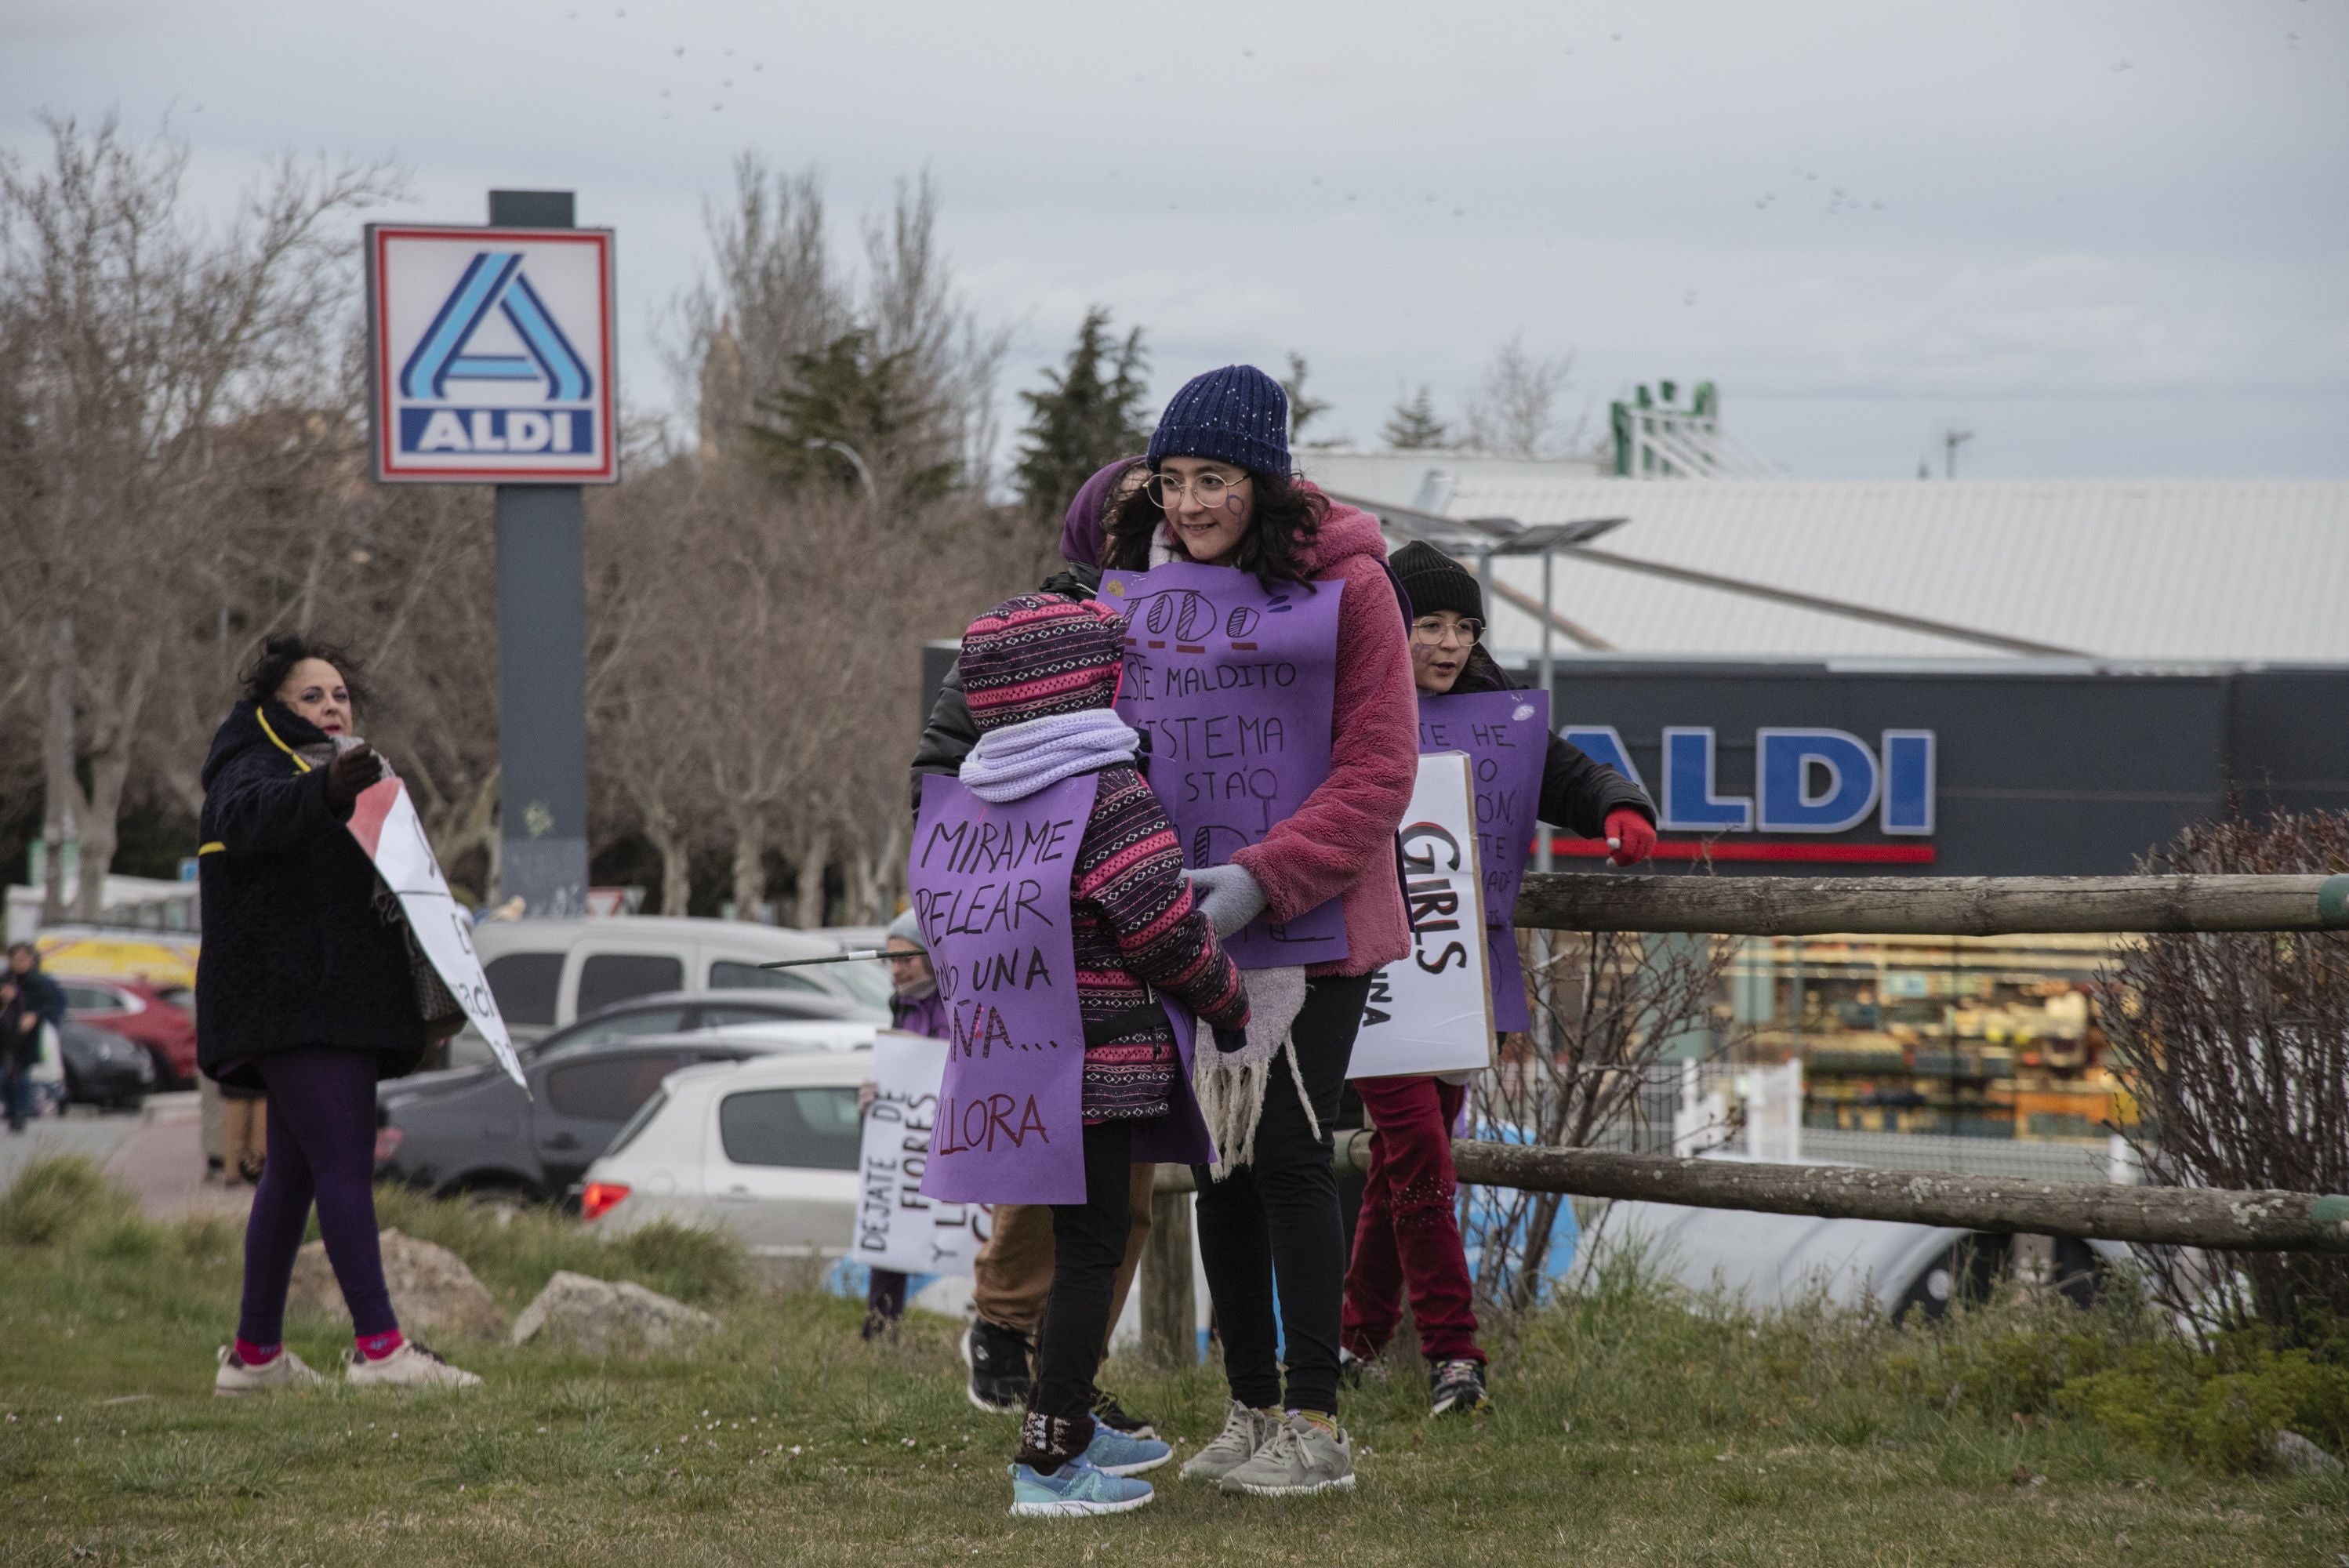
(1227, 895)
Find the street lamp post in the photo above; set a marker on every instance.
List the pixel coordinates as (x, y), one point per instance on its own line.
(855, 460)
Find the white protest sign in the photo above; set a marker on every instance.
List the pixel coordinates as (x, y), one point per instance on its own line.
(897, 1227)
(1433, 1011)
(384, 821)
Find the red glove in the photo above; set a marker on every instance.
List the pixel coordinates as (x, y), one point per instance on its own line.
(1630, 838)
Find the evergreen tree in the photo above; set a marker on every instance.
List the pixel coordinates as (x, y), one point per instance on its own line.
(1302, 410)
(1086, 415)
(1414, 426)
(846, 395)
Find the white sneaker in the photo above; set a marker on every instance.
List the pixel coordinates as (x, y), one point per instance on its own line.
(283, 1370)
(1302, 1458)
(1245, 1431)
(410, 1367)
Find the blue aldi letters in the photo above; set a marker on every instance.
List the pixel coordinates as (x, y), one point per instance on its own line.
(495, 288)
(1806, 780)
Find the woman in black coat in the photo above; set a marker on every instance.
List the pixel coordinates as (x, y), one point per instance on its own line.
(304, 989)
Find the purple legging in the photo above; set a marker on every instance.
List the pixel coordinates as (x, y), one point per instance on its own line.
(321, 1145)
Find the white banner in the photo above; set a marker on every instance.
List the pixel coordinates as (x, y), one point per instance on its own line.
(385, 823)
(1433, 1011)
(897, 1227)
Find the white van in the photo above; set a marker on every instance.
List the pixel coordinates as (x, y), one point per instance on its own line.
(549, 972)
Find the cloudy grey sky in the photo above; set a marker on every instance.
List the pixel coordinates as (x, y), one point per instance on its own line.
(2110, 238)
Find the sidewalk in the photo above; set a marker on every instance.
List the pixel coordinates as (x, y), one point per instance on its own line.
(157, 1154)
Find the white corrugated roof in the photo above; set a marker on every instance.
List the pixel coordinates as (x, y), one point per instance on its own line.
(2162, 570)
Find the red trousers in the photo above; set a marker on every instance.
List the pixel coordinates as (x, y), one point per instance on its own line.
(1408, 1238)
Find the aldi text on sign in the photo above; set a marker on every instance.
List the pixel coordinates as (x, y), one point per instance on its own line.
(492, 354)
(384, 822)
(896, 1226)
(1432, 1012)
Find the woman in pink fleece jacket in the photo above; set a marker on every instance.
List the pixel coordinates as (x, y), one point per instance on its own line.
(1221, 493)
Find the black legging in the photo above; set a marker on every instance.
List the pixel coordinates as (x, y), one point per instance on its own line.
(1279, 1216)
(1088, 1245)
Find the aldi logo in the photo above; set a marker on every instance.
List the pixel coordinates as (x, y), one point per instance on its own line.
(492, 354)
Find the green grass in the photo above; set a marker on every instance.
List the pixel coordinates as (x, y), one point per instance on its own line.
(1625, 1430)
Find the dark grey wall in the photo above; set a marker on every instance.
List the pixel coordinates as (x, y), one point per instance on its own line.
(2039, 772)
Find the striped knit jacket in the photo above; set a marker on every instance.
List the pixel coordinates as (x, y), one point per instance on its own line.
(1134, 927)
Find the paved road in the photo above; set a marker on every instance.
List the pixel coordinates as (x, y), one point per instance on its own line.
(157, 1154)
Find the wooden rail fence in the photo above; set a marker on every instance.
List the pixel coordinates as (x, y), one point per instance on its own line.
(1819, 906)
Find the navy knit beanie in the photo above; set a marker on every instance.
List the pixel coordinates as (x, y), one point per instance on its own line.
(1236, 415)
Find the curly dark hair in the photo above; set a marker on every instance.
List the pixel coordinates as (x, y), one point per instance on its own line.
(280, 653)
(1288, 517)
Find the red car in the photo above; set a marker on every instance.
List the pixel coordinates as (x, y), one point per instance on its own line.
(150, 1015)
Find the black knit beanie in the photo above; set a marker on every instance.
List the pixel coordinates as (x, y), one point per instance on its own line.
(1436, 581)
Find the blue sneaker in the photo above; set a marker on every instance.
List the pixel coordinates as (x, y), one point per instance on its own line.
(1114, 1453)
(1074, 1490)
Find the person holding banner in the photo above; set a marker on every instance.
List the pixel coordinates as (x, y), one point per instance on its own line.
(1407, 1237)
(305, 991)
(914, 1007)
(1048, 886)
(1269, 664)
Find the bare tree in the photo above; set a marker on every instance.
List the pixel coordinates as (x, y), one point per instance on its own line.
(1514, 412)
(1605, 1009)
(910, 305)
(158, 377)
(782, 302)
(777, 293)
(2235, 1047)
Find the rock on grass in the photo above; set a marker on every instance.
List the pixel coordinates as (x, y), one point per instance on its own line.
(432, 1291)
(577, 1311)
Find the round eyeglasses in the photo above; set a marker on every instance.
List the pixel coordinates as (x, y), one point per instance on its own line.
(1207, 489)
(1435, 629)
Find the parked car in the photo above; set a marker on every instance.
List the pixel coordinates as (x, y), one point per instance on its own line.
(144, 1014)
(102, 1068)
(770, 1150)
(1777, 1260)
(549, 972)
(664, 1012)
(476, 1132)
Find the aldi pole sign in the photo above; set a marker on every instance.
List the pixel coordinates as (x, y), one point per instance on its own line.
(491, 358)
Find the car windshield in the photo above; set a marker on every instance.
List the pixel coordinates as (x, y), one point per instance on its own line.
(869, 980)
(603, 1031)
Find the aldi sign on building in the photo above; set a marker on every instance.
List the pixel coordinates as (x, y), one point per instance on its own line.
(493, 354)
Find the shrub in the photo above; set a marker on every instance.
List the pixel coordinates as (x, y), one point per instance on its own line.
(2235, 1047)
(126, 1238)
(56, 1196)
(514, 1252)
(684, 1260)
(2217, 1407)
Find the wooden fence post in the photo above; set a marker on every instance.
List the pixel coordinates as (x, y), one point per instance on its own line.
(1170, 1324)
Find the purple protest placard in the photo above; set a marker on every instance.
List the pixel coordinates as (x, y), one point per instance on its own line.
(1506, 736)
(1233, 686)
(990, 890)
